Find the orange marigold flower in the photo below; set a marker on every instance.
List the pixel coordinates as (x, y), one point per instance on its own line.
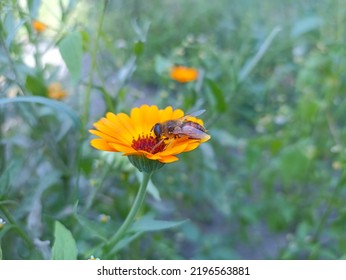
(39, 26)
(183, 74)
(55, 91)
(146, 134)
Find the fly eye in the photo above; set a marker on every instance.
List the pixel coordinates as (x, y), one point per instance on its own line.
(157, 129)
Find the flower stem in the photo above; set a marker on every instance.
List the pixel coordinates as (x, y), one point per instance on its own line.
(20, 232)
(131, 215)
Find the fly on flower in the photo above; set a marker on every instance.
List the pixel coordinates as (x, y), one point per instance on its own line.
(144, 132)
(180, 128)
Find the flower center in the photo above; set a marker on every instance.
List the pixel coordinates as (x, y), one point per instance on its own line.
(149, 144)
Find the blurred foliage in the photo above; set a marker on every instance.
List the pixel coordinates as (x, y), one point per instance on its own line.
(269, 185)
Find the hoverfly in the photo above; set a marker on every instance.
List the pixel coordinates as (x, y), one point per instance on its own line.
(179, 128)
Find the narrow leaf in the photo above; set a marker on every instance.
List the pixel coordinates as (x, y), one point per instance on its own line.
(147, 223)
(59, 106)
(34, 6)
(64, 247)
(12, 33)
(252, 62)
(91, 227)
(162, 65)
(126, 241)
(306, 25)
(218, 96)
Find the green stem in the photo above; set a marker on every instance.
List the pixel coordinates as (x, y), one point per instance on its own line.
(11, 220)
(12, 65)
(131, 215)
(93, 65)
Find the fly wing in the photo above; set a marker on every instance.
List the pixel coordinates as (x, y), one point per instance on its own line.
(193, 114)
(190, 132)
(197, 113)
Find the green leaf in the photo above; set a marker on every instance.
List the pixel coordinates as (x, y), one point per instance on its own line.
(306, 25)
(125, 241)
(218, 96)
(64, 247)
(7, 230)
(148, 223)
(34, 6)
(12, 170)
(35, 85)
(162, 65)
(71, 50)
(253, 61)
(138, 48)
(7, 202)
(308, 108)
(59, 106)
(13, 32)
(293, 162)
(91, 227)
(85, 40)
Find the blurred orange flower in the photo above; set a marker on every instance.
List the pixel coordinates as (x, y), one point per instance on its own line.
(55, 91)
(39, 26)
(183, 74)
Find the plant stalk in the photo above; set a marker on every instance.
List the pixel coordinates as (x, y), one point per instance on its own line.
(93, 66)
(131, 215)
(20, 232)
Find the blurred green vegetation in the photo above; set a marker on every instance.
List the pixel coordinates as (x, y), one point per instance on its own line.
(270, 184)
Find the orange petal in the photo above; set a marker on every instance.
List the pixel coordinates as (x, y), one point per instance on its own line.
(103, 135)
(168, 159)
(165, 114)
(136, 118)
(115, 130)
(174, 148)
(177, 113)
(124, 121)
(192, 146)
(101, 144)
(122, 148)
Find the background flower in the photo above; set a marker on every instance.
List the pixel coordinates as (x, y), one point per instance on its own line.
(39, 26)
(55, 91)
(183, 74)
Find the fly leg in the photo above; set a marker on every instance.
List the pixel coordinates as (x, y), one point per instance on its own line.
(157, 145)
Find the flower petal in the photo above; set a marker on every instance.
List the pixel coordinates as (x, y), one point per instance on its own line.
(101, 144)
(168, 159)
(122, 148)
